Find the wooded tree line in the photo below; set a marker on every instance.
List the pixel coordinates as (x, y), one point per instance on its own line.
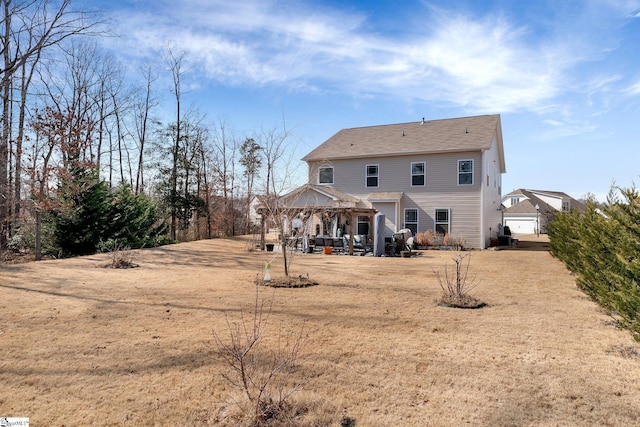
(85, 161)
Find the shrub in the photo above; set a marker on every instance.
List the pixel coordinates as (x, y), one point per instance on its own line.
(455, 241)
(456, 285)
(425, 238)
(121, 257)
(22, 239)
(259, 365)
(437, 240)
(602, 247)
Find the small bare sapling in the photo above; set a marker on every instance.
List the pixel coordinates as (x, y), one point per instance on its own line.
(456, 284)
(260, 364)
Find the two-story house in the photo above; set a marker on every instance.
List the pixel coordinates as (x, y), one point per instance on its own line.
(530, 211)
(443, 175)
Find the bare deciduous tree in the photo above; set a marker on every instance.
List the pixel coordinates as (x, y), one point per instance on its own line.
(226, 149)
(142, 110)
(29, 28)
(175, 64)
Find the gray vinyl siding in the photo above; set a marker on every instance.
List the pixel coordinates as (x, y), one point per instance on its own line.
(349, 176)
(441, 190)
(491, 194)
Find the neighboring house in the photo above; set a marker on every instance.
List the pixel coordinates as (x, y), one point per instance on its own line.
(257, 202)
(442, 175)
(527, 211)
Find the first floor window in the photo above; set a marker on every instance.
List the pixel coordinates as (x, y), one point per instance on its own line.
(442, 223)
(363, 225)
(325, 175)
(418, 173)
(465, 172)
(411, 220)
(372, 175)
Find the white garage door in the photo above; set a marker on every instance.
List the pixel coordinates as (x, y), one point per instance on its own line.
(521, 225)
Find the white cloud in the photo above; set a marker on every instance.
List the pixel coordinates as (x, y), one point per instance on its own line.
(485, 64)
(634, 89)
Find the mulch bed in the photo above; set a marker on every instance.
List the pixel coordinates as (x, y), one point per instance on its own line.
(292, 282)
(466, 302)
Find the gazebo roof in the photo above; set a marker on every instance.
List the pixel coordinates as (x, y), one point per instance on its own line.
(320, 198)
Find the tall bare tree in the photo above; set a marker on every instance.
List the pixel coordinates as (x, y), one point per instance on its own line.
(28, 28)
(225, 148)
(26, 77)
(275, 145)
(142, 120)
(175, 64)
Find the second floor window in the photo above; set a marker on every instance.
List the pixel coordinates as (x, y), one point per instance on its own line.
(418, 173)
(465, 172)
(372, 175)
(325, 175)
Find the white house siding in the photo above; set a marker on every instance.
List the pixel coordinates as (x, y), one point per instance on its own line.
(551, 200)
(388, 209)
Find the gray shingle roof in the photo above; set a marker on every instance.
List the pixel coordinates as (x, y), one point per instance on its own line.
(432, 136)
(339, 197)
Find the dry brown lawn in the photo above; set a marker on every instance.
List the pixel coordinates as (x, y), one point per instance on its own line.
(84, 345)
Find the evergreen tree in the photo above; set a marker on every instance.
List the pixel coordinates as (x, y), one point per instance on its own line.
(134, 221)
(83, 217)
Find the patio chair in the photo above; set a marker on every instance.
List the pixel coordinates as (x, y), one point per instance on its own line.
(318, 244)
(338, 244)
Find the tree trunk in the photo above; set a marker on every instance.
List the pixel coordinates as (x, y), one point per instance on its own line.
(5, 87)
(38, 249)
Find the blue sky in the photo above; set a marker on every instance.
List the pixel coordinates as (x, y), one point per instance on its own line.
(564, 75)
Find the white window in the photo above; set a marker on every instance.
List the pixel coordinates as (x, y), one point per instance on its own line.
(363, 225)
(372, 176)
(325, 175)
(465, 172)
(515, 201)
(442, 221)
(418, 173)
(411, 220)
(566, 206)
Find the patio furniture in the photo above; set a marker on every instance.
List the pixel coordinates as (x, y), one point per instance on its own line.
(338, 244)
(319, 244)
